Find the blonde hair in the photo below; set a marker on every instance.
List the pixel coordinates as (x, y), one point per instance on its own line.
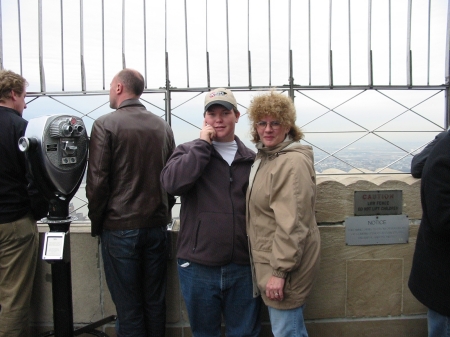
(10, 81)
(278, 106)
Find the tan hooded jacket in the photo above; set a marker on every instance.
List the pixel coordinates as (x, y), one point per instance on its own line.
(281, 225)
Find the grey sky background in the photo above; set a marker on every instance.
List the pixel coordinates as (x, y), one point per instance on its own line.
(249, 28)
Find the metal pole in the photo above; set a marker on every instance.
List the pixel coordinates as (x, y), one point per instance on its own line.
(429, 29)
(41, 48)
(186, 41)
(20, 35)
(330, 52)
(228, 45)
(349, 44)
(291, 78)
(168, 93)
(309, 40)
(291, 66)
(208, 72)
(145, 45)
(1, 37)
(408, 46)
(390, 43)
(270, 49)
(168, 112)
(124, 65)
(248, 46)
(369, 44)
(83, 71)
(103, 43)
(62, 45)
(62, 292)
(447, 71)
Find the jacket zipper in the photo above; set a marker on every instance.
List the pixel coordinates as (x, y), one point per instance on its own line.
(232, 208)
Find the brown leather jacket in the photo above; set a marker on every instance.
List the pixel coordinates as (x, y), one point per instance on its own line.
(127, 151)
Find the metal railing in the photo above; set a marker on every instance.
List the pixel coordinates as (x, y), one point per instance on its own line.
(337, 59)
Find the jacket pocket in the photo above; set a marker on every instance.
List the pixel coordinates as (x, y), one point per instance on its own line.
(263, 244)
(213, 237)
(121, 243)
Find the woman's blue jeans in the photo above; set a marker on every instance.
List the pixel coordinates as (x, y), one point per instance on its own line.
(438, 325)
(135, 264)
(210, 292)
(288, 323)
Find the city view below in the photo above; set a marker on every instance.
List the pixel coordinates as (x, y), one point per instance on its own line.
(368, 159)
(372, 160)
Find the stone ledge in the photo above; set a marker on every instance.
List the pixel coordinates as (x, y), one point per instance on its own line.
(360, 290)
(75, 227)
(335, 192)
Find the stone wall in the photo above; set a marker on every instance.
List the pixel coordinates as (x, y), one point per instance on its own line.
(360, 290)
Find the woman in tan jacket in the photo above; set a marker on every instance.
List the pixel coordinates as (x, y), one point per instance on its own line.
(281, 225)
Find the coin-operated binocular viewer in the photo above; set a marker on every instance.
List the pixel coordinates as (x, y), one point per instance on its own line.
(56, 148)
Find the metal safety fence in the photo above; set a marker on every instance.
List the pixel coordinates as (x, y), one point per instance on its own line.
(369, 78)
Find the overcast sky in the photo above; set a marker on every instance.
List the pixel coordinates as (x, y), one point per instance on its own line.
(249, 29)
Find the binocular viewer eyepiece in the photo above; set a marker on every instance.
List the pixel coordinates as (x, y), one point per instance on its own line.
(66, 129)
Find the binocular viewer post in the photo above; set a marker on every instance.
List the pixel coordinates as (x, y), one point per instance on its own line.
(56, 149)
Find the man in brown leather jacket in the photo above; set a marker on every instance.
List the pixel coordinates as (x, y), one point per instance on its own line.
(128, 207)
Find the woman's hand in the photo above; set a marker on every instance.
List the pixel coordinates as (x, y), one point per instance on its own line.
(274, 288)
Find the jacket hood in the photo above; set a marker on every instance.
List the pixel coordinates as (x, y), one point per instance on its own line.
(288, 145)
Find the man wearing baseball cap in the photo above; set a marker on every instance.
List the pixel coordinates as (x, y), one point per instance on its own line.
(211, 176)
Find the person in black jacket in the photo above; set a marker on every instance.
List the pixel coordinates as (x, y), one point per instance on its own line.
(419, 159)
(19, 240)
(429, 280)
(211, 176)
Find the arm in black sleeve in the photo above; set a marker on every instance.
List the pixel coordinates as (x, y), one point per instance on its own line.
(419, 159)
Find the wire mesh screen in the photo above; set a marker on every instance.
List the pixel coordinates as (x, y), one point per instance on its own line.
(370, 79)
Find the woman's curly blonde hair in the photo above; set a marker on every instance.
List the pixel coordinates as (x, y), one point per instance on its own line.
(278, 106)
(10, 81)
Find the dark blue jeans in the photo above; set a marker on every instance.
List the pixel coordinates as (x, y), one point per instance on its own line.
(136, 273)
(210, 292)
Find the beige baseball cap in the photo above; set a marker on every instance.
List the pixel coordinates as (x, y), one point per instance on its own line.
(220, 96)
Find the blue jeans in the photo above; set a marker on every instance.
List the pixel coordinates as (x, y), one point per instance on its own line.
(136, 273)
(438, 325)
(288, 323)
(210, 292)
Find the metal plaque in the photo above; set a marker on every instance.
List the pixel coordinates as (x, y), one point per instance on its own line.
(53, 246)
(376, 230)
(387, 202)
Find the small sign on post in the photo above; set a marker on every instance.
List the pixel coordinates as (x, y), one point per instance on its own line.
(53, 246)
